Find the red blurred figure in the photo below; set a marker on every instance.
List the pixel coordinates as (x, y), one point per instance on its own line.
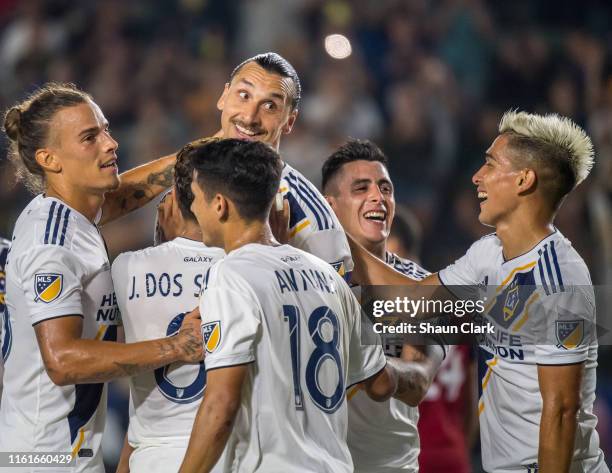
(447, 422)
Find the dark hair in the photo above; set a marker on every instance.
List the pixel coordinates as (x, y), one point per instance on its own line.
(27, 127)
(352, 150)
(183, 176)
(246, 172)
(273, 62)
(551, 162)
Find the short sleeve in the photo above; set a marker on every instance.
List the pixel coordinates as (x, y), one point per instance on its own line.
(51, 283)
(231, 322)
(331, 246)
(461, 277)
(565, 328)
(366, 354)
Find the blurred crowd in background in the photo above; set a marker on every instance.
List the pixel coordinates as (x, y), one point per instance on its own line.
(427, 81)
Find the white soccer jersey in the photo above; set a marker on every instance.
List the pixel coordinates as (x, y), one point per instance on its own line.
(543, 309)
(57, 266)
(295, 321)
(383, 436)
(313, 225)
(4, 248)
(155, 288)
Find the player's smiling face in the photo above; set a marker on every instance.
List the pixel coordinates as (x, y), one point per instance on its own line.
(364, 201)
(497, 183)
(83, 149)
(256, 105)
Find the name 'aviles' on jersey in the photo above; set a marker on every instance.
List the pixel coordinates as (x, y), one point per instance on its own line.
(155, 288)
(57, 267)
(542, 307)
(313, 225)
(383, 436)
(295, 321)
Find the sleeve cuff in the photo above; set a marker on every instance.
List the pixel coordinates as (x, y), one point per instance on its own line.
(212, 362)
(65, 311)
(370, 371)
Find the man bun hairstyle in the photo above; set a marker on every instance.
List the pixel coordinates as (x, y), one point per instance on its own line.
(559, 150)
(27, 127)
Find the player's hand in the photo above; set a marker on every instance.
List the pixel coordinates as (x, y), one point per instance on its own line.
(279, 219)
(189, 338)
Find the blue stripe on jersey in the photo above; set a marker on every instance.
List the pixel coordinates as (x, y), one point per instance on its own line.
(66, 215)
(312, 199)
(87, 396)
(49, 220)
(57, 223)
(553, 287)
(312, 203)
(483, 367)
(296, 214)
(542, 274)
(86, 400)
(294, 187)
(316, 198)
(7, 343)
(556, 263)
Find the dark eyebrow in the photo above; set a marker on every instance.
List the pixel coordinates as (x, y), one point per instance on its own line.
(356, 182)
(93, 129)
(250, 84)
(490, 156)
(274, 95)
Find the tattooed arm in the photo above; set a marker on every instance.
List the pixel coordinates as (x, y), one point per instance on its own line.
(70, 359)
(416, 369)
(138, 186)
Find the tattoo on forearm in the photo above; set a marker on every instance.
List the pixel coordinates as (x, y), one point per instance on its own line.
(162, 178)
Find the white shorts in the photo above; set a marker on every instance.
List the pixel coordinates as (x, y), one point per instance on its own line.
(156, 459)
(162, 459)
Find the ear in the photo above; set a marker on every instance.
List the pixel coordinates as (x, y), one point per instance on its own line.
(221, 101)
(331, 201)
(290, 122)
(526, 180)
(221, 206)
(175, 207)
(47, 160)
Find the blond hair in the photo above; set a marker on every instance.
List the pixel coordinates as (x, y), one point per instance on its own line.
(560, 133)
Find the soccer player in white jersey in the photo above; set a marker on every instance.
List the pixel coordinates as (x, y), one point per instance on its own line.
(260, 102)
(281, 329)
(382, 437)
(61, 306)
(155, 287)
(536, 406)
(5, 342)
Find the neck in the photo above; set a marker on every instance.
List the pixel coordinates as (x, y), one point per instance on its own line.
(378, 249)
(86, 203)
(190, 230)
(243, 233)
(522, 232)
